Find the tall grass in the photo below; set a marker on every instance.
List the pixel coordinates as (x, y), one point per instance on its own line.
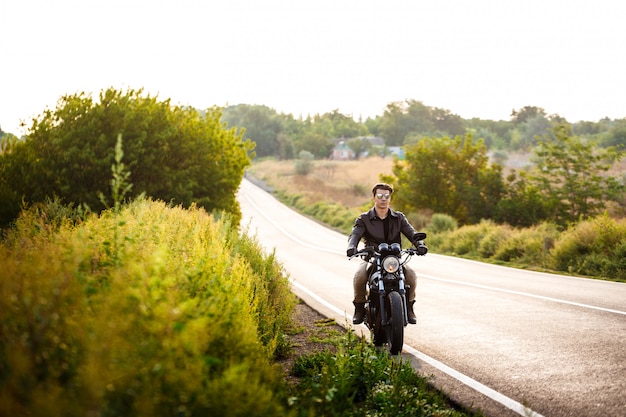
(183, 318)
(357, 379)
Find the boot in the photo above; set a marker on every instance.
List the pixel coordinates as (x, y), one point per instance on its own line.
(410, 313)
(359, 313)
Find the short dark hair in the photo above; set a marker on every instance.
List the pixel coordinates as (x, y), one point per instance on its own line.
(384, 186)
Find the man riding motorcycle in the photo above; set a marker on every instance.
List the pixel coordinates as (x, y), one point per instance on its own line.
(381, 224)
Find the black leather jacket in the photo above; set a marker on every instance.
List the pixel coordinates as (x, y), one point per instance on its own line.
(370, 227)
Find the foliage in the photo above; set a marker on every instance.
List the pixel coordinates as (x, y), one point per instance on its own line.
(523, 203)
(316, 144)
(616, 135)
(450, 176)
(173, 153)
(442, 223)
(304, 163)
(262, 126)
(402, 123)
(571, 175)
(526, 113)
(596, 247)
(359, 146)
(463, 241)
(535, 127)
(188, 312)
(527, 246)
(409, 118)
(358, 379)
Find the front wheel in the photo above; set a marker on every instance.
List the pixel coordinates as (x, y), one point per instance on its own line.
(395, 331)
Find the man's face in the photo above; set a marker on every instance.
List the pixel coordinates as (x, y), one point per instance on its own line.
(382, 198)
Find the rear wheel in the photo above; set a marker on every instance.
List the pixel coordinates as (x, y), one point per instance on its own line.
(395, 330)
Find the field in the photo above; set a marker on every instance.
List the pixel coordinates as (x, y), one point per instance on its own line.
(344, 182)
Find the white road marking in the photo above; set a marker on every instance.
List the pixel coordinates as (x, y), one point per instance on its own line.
(524, 294)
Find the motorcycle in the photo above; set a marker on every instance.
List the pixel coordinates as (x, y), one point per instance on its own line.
(386, 303)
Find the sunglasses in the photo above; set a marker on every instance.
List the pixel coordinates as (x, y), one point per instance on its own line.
(383, 196)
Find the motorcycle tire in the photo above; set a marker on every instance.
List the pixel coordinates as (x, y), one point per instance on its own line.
(395, 330)
(379, 332)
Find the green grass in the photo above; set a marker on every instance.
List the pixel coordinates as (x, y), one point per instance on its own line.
(356, 379)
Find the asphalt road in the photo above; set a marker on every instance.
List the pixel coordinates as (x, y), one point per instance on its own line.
(507, 341)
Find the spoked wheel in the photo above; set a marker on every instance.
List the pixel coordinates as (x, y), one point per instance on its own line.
(395, 330)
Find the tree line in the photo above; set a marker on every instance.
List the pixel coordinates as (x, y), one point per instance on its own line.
(184, 156)
(455, 166)
(284, 136)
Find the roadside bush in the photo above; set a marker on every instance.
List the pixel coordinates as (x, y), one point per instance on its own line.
(440, 222)
(594, 247)
(304, 163)
(529, 246)
(466, 240)
(492, 240)
(154, 311)
(419, 220)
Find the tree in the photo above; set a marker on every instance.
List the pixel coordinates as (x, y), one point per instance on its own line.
(286, 149)
(533, 128)
(616, 136)
(449, 176)
(315, 143)
(568, 183)
(523, 204)
(572, 176)
(402, 119)
(173, 153)
(359, 146)
(262, 126)
(526, 113)
(446, 122)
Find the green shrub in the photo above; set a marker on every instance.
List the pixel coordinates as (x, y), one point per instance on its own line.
(440, 222)
(572, 245)
(466, 240)
(182, 317)
(594, 247)
(529, 246)
(418, 220)
(304, 163)
(495, 237)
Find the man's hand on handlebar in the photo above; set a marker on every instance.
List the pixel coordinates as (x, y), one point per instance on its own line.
(420, 248)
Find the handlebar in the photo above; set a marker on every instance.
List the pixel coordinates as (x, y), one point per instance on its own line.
(369, 251)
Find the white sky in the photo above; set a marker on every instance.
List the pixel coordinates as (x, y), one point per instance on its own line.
(476, 58)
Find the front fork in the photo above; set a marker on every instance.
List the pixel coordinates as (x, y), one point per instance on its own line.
(381, 299)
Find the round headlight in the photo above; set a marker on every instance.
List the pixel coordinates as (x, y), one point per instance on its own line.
(391, 264)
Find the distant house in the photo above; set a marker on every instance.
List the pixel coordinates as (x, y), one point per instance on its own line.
(342, 152)
(397, 151)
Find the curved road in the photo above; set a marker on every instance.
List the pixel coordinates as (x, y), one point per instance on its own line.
(507, 341)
